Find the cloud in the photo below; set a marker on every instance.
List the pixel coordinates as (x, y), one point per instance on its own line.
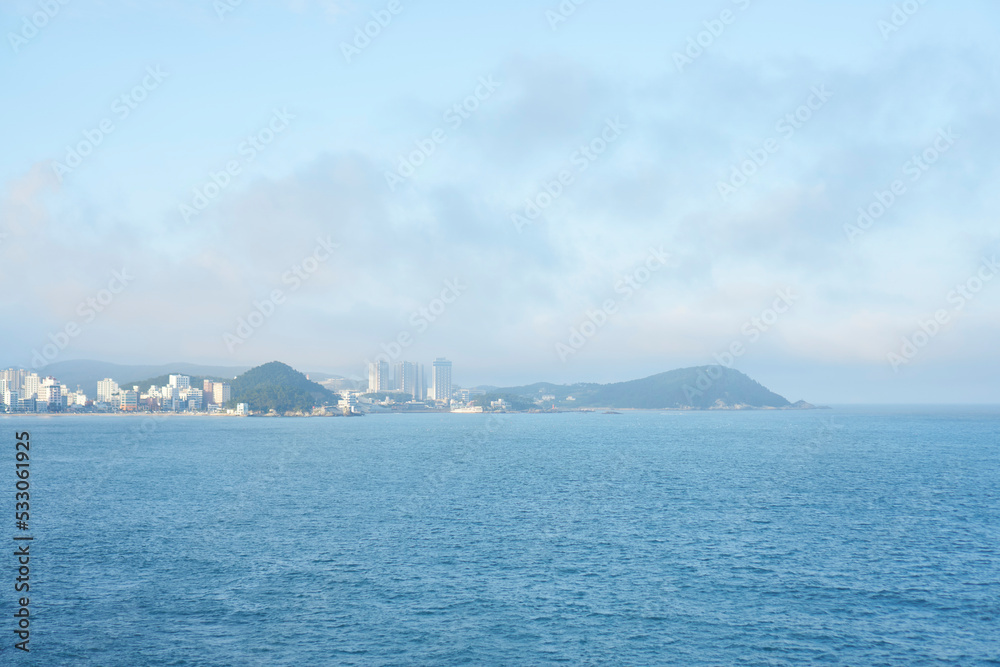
(656, 186)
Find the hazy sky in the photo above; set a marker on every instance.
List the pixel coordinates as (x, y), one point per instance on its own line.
(118, 114)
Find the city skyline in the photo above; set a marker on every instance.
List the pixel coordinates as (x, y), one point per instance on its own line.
(26, 391)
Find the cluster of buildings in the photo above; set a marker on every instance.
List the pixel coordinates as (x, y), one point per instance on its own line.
(409, 378)
(23, 391)
(176, 396)
(403, 384)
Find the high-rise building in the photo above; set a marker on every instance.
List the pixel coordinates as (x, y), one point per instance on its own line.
(378, 376)
(403, 377)
(9, 393)
(194, 398)
(106, 388)
(32, 383)
(398, 379)
(420, 388)
(15, 376)
(50, 394)
(180, 381)
(410, 379)
(221, 393)
(442, 379)
(208, 390)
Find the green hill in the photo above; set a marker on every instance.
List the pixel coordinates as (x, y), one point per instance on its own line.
(699, 388)
(279, 387)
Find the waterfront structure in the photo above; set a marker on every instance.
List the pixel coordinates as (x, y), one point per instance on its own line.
(348, 403)
(128, 400)
(191, 398)
(11, 399)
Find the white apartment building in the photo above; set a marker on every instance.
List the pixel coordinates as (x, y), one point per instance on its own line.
(32, 383)
(180, 381)
(106, 388)
(50, 393)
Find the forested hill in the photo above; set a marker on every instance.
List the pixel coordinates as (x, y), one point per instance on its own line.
(279, 387)
(699, 388)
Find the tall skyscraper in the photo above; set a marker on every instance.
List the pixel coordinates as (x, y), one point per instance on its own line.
(442, 379)
(15, 376)
(421, 383)
(378, 376)
(399, 376)
(404, 376)
(409, 379)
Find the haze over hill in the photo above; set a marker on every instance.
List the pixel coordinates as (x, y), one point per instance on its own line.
(699, 388)
(279, 386)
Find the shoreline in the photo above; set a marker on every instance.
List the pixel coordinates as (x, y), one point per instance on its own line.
(602, 411)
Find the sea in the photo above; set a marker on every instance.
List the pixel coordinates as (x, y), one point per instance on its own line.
(849, 536)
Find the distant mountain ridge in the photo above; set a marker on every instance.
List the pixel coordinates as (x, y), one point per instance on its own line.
(697, 388)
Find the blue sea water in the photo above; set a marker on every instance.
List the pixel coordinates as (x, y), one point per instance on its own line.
(843, 537)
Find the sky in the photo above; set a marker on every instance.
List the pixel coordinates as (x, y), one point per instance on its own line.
(537, 190)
